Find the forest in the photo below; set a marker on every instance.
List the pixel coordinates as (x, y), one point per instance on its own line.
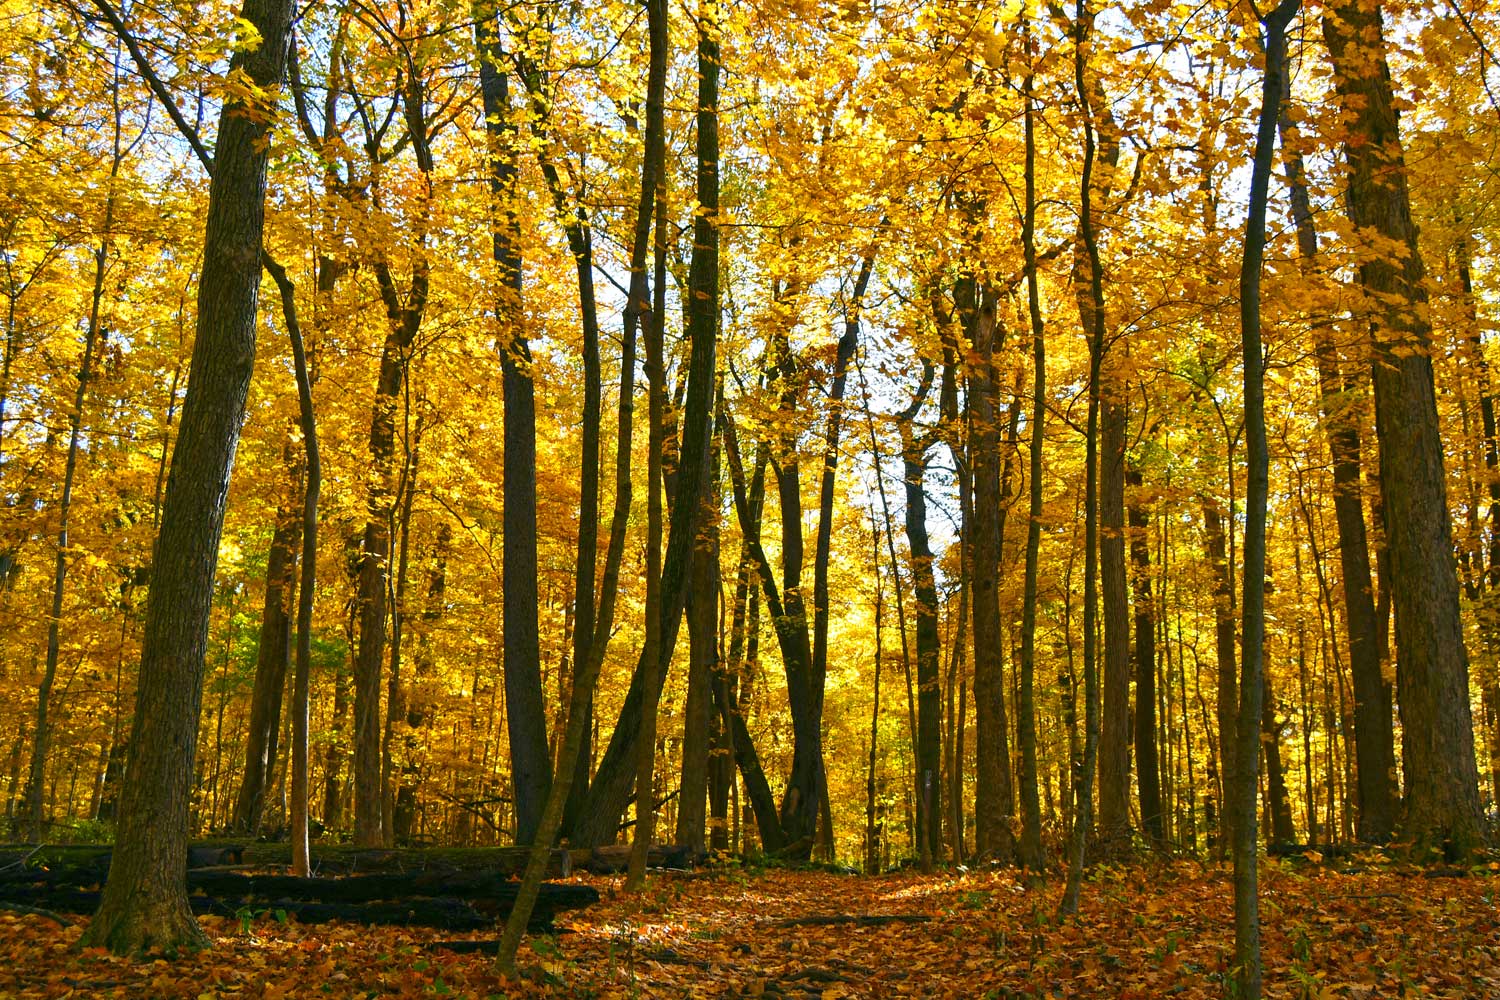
(923, 436)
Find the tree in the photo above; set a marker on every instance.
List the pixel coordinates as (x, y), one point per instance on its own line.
(1240, 792)
(1442, 779)
(144, 902)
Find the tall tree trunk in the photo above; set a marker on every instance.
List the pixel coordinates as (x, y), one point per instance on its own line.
(272, 657)
(655, 658)
(1114, 733)
(525, 715)
(703, 666)
(1148, 776)
(1241, 792)
(301, 676)
(1374, 742)
(1226, 659)
(1278, 800)
(994, 795)
(144, 904)
(1083, 781)
(1032, 855)
(1442, 780)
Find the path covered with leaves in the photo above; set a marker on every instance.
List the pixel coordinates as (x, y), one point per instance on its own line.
(1143, 932)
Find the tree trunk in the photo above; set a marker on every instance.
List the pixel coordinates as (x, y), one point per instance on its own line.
(1114, 734)
(273, 655)
(703, 665)
(994, 796)
(1224, 643)
(144, 904)
(525, 714)
(1241, 791)
(1442, 780)
(1091, 311)
(1032, 855)
(1148, 777)
(1278, 800)
(298, 812)
(1374, 742)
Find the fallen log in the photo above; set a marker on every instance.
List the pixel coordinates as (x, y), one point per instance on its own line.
(615, 858)
(445, 912)
(371, 888)
(89, 865)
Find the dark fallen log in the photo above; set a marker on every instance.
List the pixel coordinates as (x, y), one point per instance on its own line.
(443, 912)
(857, 920)
(89, 865)
(343, 859)
(616, 858)
(371, 888)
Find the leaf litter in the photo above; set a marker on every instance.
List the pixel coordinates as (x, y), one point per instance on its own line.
(1160, 930)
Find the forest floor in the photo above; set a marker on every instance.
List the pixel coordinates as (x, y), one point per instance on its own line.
(1152, 931)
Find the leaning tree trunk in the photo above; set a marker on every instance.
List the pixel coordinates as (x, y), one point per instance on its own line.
(144, 904)
(612, 782)
(1442, 779)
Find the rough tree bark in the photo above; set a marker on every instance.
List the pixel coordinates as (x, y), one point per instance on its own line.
(1442, 779)
(144, 904)
(994, 800)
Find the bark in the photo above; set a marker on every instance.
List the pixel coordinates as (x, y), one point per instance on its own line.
(749, 504)
(579, 233)
(1031, 854)
(272, 658)
(611, 786)
(1226, 658)
(1148, 775)
(525, 715)
(1241, 790)
(872, 829)
(1114, 734)
(703, 665)
(654, 656)
(1374, 742)
(298, 812)
(144, 904)
(994, 801)
(403, 318)
(929, 735)
(1442, 782)
(1092, 311)
(1278, 800)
